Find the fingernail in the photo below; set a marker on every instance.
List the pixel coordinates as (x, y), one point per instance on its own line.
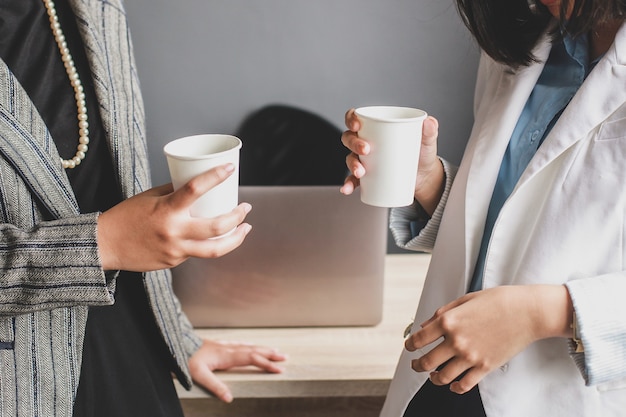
(229, 167)
(454, 387)
(247, 207)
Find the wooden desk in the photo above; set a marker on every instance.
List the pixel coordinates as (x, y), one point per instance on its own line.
(331, 371)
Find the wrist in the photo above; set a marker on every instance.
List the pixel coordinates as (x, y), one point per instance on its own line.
(109, 261)
(555, 312)
(429, 191)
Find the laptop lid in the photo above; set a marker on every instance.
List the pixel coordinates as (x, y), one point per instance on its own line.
(314, 257)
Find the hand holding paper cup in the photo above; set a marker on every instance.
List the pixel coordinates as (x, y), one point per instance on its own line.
(395, 137)
(190, 156)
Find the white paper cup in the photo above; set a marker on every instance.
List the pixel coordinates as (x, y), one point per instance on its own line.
(190, 156)
(395, 137)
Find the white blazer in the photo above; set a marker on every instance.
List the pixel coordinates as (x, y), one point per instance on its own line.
(565, 222)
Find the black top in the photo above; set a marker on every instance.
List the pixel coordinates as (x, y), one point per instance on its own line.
(126, 369)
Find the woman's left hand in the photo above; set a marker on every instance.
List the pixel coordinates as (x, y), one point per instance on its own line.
(481, 331)
(219, 356)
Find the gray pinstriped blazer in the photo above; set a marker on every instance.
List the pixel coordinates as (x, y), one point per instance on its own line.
(49, 265)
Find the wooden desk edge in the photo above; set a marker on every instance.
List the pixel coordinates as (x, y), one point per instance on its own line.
(405, 271)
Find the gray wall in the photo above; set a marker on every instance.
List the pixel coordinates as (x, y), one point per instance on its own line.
(205, 64)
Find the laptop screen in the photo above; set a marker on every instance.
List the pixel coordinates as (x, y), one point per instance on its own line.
(314, 257)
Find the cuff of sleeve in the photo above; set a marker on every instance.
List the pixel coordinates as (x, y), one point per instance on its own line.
(192, 342)
(601, 330)
(411, 227)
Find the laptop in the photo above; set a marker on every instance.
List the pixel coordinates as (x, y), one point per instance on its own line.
(314, 257)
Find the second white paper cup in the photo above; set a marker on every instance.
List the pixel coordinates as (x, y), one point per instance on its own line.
(192, 155)
(395, 137)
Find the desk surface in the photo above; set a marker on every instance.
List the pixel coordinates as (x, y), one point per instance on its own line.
(331, 361)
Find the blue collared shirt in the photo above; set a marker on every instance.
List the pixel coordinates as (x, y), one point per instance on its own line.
(563, 74)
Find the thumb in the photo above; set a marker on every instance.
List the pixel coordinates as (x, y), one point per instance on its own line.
(430, 130)
(186, 195)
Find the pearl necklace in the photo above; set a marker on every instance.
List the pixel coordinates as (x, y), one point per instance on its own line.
(79, 95)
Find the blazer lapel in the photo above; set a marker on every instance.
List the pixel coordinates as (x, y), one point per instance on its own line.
(26, 143)
(104, 32)
(600, 95)
(495, 124)
(89, 26)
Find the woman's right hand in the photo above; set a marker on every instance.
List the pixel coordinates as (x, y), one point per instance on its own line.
(154, 230)
(430, 181)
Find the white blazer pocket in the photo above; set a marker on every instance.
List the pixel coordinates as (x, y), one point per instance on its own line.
(612, 130)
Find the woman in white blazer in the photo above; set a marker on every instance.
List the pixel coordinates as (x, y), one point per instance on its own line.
(523, 311)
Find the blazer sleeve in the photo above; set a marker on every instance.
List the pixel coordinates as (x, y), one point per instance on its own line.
(53, 264)
(191, 340)
(602, 330)
(411, 228)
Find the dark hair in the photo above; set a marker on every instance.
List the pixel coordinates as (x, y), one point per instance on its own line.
(508, 30)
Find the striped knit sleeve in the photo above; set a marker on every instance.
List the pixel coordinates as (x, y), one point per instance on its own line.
(602, 330)
(411, 228)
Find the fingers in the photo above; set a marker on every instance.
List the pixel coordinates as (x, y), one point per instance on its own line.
(350, 138)
(349, 185)
(459, 375)
(468, 381)
(354, 165)
(448, 307)
(357, 169)
(460, 372)
(211, 382)
(214, 355)
(352, 121)
(206, 228)
(419, 339)
(199, 228)
(430, 130)
(433, 359)
(220, 245)
(358, 146)
(440, 312)
(435, 327)
(186, 195)
(267, 362)
(352, 141)
(262, 357)
(475, 335)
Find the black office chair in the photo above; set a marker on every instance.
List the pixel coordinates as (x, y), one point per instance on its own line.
(285, 145)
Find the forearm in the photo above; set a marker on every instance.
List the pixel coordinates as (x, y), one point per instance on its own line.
(553, 311)
(429, 193)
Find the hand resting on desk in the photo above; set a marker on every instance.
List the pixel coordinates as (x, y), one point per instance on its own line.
(217, 355)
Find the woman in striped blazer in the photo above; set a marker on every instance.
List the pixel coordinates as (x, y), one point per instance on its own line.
(89, 324)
